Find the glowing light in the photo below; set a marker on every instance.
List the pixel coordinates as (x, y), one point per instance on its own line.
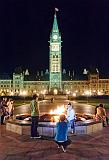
(59, 110)
(34, 91)
(23, 93)
(44, 91)
(83, 119)
(74, 94)
(87, 93)
(99, 93)
(2, 94)
(11, 93)
(55, 91)
(67, 92)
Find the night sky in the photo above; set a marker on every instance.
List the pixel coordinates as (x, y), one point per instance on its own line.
(25, 27)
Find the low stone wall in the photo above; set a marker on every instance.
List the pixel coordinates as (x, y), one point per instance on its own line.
(19, 127)
(49, 128)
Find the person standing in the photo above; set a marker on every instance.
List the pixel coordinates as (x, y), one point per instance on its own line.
(34, 107)
(10, 107)
(61, 137)
(71, 117)
(2, 113)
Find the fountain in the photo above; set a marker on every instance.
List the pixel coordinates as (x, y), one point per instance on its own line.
(85, 123)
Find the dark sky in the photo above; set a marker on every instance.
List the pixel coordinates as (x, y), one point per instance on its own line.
(25, 26)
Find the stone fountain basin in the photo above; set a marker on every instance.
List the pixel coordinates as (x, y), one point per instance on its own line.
(52, 117)
(48, 128)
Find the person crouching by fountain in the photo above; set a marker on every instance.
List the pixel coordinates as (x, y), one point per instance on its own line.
(34, 107)
(101, 114)
(61, 137)
(71, 117)
(96, 110)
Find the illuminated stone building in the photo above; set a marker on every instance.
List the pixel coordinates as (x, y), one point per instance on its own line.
(55, 59)
(55, 79)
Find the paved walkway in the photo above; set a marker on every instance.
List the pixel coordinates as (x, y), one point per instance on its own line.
(86, 147)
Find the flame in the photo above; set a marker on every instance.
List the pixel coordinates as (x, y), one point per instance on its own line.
(59, 110)
(55, 119)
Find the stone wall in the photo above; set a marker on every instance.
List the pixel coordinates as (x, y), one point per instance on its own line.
(49, 129)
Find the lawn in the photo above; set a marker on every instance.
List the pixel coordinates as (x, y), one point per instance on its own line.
(96, 102)
(21, 102)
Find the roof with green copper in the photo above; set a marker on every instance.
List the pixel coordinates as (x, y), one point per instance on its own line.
(55, 24)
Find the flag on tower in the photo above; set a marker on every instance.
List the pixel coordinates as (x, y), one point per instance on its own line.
(56, 9)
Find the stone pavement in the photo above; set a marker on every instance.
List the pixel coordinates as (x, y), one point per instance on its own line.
(84, 147)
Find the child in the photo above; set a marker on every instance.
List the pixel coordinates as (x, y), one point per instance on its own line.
(71, 117)
(61, 137)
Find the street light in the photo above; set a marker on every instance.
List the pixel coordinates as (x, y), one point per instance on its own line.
(55, 91)
(74, 94)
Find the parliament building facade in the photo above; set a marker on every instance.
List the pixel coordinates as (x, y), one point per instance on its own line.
(55, 80)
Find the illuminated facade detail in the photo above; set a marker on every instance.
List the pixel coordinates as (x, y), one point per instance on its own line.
(55, 59)
(23, 83)
(91, 84)
(18, 80)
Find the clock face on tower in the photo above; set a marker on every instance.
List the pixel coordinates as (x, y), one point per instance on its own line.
(55, 47)
(55, 37)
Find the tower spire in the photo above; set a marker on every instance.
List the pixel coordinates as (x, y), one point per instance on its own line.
(55, 24)
(55, 57)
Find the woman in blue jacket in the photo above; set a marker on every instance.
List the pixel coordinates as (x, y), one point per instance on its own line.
(61, 137)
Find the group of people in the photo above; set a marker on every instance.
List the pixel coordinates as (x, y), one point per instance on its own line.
(100, 114)
(61, 137)
(6, 109)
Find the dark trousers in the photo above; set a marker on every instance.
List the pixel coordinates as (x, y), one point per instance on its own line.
(2, 119)
(64, 144)
(34, 125)
(107, 120)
